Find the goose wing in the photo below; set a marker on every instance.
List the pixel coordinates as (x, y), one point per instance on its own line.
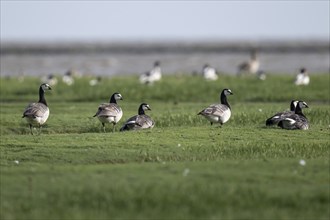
(275, 119)
(138, 122)
(144, 121)
(35, 110)
(108, 109)
(294, 121)
(215, 109)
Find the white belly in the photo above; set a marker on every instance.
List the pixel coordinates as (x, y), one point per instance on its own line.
(225, 117)
(111, 119)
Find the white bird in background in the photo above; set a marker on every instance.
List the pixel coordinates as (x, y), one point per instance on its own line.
(49, 79)
(96, 81)
(209, 73)
(251, 66)
(302, 78)
(68, 78)
(155, 74)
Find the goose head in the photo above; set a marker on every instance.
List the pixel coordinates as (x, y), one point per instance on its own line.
(45, 86)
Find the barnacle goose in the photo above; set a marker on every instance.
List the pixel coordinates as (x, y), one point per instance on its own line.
(297, 120)
(302, 78)
(155, 74)
(36, 114)
(218, 113)
(275, 119)
(209, 73)
(140, 121)
(251, 66)
(110, 112)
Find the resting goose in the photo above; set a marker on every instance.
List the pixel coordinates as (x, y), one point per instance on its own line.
(275, 119)
(110, 112)
(36, 114)
(297, 120)
(218, 113)
(140, 121)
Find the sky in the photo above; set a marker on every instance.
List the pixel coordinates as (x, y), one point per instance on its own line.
(163, 20)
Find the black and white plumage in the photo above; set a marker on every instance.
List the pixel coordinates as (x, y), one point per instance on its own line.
(209, 73)
(218, 113)
(297, 120)
(302, 78)
(155, 74)
(140, 121)
(36, 114)
(275, 119)
(110, 112)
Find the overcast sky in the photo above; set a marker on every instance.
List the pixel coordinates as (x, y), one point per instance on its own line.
(163, 20)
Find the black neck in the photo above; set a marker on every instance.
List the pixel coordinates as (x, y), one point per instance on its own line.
(113, 100)
(292, 107)
(141, 111)
(42, 96)
(223, 99)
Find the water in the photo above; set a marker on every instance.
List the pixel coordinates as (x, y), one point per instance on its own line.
(121, 60)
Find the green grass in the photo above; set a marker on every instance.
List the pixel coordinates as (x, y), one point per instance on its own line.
(182, 169)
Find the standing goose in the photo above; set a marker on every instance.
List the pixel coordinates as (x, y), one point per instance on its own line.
(297, 120)
(251, 66)
(36, 114)
(218, 113)
(140, 121)
(110, 112)
(275, 119)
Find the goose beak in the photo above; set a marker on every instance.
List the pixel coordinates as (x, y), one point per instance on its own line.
(49, 88)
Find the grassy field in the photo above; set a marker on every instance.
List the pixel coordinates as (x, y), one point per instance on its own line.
(182, 169)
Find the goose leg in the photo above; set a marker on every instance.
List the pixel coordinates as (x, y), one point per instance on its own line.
(31, 129)
(103, 127)
(113, 128)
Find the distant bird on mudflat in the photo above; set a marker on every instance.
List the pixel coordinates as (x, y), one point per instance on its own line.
(68, 77)
(209, 73)
(218, 113)
(110, 112)
(275, 119)
(155, 74)
(36, 114)
(49, 79)
(302, 78)
(140, 121)
(297, 120)
(251, 66)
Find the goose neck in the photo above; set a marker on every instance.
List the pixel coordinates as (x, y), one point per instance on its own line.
(42, 96)
(223, 99)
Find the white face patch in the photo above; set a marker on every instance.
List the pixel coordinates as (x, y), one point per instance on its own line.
(145, 107)
(303, 105)
(228, 92)
(118, 96)
(45, 86)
